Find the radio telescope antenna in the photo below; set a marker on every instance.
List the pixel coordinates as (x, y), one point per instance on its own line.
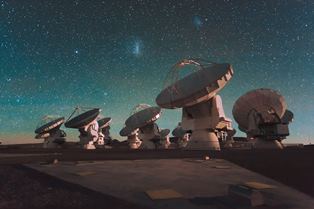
(196, 93)
(263, 115)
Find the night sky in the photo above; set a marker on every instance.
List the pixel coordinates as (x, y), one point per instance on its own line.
(56, 54)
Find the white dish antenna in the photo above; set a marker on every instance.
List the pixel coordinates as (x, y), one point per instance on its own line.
(127, 131)
(104, 122)
(196, 93)
(164, 132)
(199, 86)
(178, 132)
(48, 123)
(268, 103)
(143, 115)
(82, 117)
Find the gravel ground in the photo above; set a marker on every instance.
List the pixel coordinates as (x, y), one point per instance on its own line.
(22, 187)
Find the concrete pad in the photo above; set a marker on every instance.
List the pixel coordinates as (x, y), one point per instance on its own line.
(129, 179)
(221, 167)
(84, 173)
(163, 194)
(8, 155)
(258, 185)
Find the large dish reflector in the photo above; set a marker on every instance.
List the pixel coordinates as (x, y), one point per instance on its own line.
(104, 122)
(127, 131)
(83, 119)
(49, 124)
(143, 117)
(196, 87)
(263, 101)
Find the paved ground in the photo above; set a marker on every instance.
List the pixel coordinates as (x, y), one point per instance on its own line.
(25, 188)
(194, 179)
(292, 166)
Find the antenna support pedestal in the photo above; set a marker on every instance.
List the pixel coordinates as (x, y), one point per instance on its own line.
(261, 143)
(202, 120)
(203, 139)
(134, 141)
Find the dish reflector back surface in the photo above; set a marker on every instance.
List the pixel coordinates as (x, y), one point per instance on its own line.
(197, 87)
(83, 119)
(164, 132)
(104, 122)
(49, 123)
(143, 117)
(126, 131)
(261, 100)
(178, 132)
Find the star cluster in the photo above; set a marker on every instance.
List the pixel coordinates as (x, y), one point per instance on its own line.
(55, 55)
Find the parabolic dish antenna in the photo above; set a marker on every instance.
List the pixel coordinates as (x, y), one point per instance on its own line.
(196, 94)
(143, 116)
(49, 130)
(49, 123)
(264, 101)
(178, 132)
(138, 108)
(82, 119)
(200, 85)
(104, 122)
(127, 131)
(163, 133)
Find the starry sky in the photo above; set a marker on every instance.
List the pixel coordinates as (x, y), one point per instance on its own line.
(56, 54)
